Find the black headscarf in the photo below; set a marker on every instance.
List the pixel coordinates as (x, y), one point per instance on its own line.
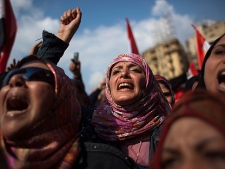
(201, 83)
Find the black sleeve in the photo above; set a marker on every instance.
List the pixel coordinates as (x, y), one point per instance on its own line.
(52, 47)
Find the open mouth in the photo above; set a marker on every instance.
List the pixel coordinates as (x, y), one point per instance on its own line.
(125, 86)
(16, 104)
(221, 79)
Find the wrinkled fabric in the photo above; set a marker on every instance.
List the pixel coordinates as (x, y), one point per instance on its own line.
(54, 142)
(199, 104)
(114, 122)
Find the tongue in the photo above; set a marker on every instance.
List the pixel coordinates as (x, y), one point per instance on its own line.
(16, 104)
(222, 84)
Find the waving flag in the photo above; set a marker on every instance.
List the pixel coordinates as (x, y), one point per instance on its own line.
(202, 46)
(192, 70)
(8, 28)
(132, 44)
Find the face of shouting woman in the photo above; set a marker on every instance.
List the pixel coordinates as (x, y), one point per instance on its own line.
(127, 83)
(214, 75)
(25, 102)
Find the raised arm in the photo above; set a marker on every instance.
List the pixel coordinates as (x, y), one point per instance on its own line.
(70, 22)
(53, 46)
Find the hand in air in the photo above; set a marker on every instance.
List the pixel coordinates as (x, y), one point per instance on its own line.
(70, 22)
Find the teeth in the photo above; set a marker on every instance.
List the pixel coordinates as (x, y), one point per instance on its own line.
(223, 73)
(124, 85)
(222, 85)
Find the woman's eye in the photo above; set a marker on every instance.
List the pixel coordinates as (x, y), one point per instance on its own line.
(114, 72)
(170, 163)
(136, 70)
(220, 52)
(216, 156)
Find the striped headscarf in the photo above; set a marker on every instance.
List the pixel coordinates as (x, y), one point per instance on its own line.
(54, 142)
(199, 104)
(114, 122)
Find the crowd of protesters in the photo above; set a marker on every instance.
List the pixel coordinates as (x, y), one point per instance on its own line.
(132, 120)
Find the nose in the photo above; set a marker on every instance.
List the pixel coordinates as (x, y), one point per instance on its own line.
(16, 81)
(125, 72)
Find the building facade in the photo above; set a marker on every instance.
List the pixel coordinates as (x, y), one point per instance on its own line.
(167, 59)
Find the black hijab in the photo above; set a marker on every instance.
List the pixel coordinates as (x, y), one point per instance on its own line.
(201, 83)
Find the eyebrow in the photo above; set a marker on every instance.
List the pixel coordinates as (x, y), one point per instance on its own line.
(129, 66)
(222, 45)
(204, 143)
(170, 151)
(198, 147)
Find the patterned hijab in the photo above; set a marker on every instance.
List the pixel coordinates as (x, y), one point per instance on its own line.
(200, 104)
(114, 122)
(54, 142)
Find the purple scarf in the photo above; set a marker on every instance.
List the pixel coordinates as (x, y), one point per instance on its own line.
(114, 122)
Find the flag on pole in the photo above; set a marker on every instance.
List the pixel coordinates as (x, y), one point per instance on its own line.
(132, 45)
(8, 28)
(202, 46)
(192, 70)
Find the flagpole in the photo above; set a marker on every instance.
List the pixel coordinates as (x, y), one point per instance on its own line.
(132, 43)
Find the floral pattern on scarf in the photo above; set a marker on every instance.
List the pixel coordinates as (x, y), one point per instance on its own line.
(114, 122)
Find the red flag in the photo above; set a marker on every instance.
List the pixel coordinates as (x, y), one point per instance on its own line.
(192, 70)
(8, 28)
(133, 47)
(202, 46)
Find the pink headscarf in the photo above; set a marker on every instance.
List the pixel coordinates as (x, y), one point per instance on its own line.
(54, 142)
(114, 122)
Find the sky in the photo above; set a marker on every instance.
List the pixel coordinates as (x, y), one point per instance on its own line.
(102, 34)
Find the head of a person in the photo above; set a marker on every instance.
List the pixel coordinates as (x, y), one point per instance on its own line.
(128, 79)
(166, 88)
(134, 102)
(213, 69)
(33, 97)
(193, 136)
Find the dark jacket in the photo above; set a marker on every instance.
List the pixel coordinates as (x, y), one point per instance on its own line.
(103, 156)
(95, 147)
(52, 47)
